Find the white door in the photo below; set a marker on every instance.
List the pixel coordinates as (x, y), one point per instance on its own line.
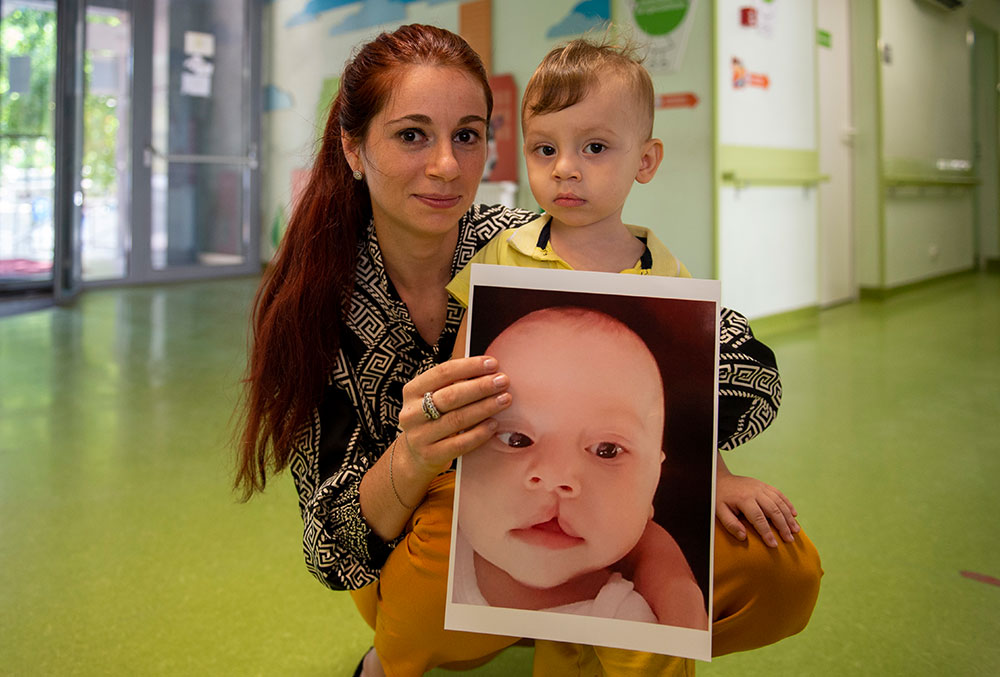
(836, 232)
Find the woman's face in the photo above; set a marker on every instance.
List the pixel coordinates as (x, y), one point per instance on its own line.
(424, 153)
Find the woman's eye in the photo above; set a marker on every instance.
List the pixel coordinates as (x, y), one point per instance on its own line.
(605, 450)
(515, 439)
(410, 135)
(467, 136)
(596, 148)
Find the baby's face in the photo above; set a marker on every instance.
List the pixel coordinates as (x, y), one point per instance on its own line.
(565, 487)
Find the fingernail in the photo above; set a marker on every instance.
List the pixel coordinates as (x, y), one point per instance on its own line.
(490, 363)
(503, 399)
(501, 380)
(491, 424)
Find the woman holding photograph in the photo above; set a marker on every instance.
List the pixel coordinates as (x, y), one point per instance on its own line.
(352, 328)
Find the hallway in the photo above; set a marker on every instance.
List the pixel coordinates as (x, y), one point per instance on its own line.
(122, 551)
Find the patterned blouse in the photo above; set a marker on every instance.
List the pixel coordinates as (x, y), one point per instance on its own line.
(381, 350)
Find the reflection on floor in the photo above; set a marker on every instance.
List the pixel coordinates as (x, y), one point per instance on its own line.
(122, 550)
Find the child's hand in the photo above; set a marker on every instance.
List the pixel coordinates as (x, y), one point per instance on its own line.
(761, 504)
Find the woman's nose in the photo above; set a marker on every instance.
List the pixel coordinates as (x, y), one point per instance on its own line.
(443, 164)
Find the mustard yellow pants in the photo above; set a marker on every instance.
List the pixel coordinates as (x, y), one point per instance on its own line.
(761, 595)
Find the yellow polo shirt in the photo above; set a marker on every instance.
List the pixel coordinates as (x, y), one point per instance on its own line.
(531, 247)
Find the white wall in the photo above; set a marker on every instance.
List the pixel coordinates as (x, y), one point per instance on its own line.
(767, 247)
(926, 99)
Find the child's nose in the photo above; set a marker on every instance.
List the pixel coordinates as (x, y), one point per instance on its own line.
(554, 471)
(565, 168)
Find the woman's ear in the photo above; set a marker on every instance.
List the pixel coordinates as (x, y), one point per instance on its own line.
(649, 162)
(352, 151)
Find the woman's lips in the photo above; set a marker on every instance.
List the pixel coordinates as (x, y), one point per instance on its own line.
(548, 535)
(439, 201)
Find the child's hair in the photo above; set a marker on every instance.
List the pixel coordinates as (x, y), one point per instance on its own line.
(568, 72)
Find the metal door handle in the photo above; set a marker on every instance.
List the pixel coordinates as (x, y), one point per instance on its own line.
(150, 152)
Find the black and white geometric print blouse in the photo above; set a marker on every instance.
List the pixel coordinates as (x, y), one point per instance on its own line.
(381, 350)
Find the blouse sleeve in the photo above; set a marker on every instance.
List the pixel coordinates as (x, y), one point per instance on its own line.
(340, 549)
(749, 383)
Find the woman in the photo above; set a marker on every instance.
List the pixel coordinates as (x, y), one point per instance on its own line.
(352, 326)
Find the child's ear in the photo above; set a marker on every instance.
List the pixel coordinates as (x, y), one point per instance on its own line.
(649, 162)
(352, 151)
(663, 456)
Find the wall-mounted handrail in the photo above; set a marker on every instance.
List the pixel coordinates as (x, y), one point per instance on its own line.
(902, 180)
(743, 179)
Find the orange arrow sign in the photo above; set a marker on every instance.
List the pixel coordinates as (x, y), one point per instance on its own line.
(677, 100)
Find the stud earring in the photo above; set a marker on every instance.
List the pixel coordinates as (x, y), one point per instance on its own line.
(358, 175)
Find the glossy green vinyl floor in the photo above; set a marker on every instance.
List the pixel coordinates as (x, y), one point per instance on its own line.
(122, 551)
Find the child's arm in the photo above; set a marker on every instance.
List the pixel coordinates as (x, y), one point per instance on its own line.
(761, 505)
(660, 572)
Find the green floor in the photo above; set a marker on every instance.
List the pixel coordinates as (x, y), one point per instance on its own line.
(123, 553)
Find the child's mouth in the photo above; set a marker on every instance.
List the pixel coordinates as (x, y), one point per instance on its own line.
(549, 534)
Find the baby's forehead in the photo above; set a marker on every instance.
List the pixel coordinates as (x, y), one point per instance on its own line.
(547, 334)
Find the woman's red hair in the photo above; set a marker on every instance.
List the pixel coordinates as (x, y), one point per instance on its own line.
(299, 309)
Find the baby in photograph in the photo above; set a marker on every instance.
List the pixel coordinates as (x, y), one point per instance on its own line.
(551, 509)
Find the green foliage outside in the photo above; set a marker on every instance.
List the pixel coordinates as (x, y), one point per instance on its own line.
(27, 118)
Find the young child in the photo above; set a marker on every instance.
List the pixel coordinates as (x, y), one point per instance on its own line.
(564, 490)
(587, 117)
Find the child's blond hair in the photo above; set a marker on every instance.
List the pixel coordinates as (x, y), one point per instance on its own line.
(568, 72)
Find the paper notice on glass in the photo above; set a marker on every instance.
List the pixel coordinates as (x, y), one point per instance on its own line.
(199, 43)
(196, 85)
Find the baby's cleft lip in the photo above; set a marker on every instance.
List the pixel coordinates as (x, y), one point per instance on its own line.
(549, 534)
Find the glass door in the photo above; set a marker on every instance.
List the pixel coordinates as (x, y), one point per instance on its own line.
(105, 231)
(201, 155)
(128, 142)
(28, 38)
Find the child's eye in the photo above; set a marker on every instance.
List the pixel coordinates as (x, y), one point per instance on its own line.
(546, 151)
(606, 450)
(515, 439)
(596, 148)
(410, 135)
(467, 136)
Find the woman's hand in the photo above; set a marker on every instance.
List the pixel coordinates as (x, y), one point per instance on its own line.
(466, 392)
(761, 504)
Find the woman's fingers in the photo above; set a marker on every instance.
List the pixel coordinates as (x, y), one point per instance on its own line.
(447, 373)
(457, 395)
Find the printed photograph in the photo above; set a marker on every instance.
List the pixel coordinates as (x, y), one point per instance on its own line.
(588, 517)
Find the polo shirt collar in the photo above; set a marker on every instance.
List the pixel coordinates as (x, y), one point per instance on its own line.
(534, 239)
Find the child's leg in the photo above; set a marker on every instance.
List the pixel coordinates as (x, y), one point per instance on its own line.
(410, 598)
(761, 594)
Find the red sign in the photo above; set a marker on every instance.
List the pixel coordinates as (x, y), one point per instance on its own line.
(748, 16)
(677, 100)
(501, 162)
